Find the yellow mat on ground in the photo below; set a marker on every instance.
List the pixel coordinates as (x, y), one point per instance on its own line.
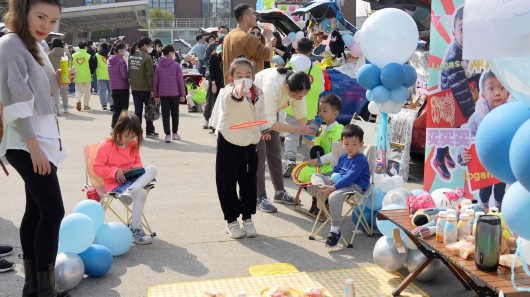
(369, 281)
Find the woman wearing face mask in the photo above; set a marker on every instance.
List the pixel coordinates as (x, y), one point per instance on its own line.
(216, 83)
(141, 71)
(157, 51)
(168, 88)
(31, 142)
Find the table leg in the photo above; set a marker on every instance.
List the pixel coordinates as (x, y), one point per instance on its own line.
(411, 277)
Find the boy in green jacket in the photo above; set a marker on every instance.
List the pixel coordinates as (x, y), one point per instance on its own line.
(83, 78)
(328, 110)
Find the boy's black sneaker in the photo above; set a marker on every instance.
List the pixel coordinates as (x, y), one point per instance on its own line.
(333, 239)
(5, 265)
(5, 250)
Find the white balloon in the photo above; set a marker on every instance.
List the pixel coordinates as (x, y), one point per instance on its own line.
(299, 35)
(387, 107)
(398, 181)
(300, 62)
(386, 184)
(397, 108)
(357, 36)
(389, 35)
(378, 178)
(373, 108)
(397, 196)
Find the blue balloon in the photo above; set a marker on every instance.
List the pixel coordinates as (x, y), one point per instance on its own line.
(380, 94)
(93, 210)
(116, 237)
(399, 95)
(335, 177)
(348, 40)
(378, 199)
(386, 227)
(515, 210)
(77, 233)
(369, 95)
(97, 260)
(519, 155)
(494, 137)
(410, 75)
(368, 76)
(367, 214)
(392, 76)
(292, 36)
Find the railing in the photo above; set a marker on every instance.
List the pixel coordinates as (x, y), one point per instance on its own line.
(190, 23)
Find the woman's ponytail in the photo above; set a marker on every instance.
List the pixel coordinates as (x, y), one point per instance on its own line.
(285, 70)
(134, 48)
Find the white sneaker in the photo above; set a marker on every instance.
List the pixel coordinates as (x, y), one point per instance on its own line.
(126, 197)
(140, 237)
(234, 231)
(248, 229)
(168, 139)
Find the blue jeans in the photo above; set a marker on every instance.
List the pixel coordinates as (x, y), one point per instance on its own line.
(202, 68)
(94, 83)
(104, 92)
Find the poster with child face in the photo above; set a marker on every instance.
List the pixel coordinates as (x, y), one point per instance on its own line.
(461, 93)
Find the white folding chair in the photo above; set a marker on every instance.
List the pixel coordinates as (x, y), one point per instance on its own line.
(353, 199)
(107, 198)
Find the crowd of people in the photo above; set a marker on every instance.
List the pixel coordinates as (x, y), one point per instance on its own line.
(247, 82)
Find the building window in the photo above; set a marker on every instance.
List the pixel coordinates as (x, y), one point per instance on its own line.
(168, 5)
(97, 2)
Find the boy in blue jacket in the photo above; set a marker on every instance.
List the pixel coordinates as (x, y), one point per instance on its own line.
(352, 174)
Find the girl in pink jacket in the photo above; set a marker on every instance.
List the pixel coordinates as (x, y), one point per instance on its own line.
(118, 162)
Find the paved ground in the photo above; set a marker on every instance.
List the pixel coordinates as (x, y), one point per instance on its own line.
(185, 212)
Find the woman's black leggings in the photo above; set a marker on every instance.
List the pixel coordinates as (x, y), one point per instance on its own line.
(39, 230)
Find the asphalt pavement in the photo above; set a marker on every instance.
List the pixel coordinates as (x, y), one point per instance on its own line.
(184, 211)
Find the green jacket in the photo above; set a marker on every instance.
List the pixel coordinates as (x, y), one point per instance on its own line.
(311, 99)
(141, 71)
(102, 72)
(80, 62)
(325, 140)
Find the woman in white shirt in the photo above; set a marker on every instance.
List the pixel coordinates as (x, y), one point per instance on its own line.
(31, 142)
(281, 87)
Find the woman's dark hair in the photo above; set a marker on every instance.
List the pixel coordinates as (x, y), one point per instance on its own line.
(278, 38)
(157, 42)
(168, 49)
(209, 37)
(127, 122)
(240, 61)
(118, 46)
(16, 19)
(140, 43)
(82, 44)
(297, 81)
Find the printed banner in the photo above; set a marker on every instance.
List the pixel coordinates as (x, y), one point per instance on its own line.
(460, 96)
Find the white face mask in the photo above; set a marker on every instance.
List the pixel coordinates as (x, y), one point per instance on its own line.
(149, 49)
(248, 83)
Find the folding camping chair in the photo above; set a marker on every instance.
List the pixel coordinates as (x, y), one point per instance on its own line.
(106, 199)
(353, 199)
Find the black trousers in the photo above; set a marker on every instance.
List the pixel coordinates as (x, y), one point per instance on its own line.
(170, 108)
(210, 100)
(39, 230)
(141, 98)
(121, 103)
(236, 165)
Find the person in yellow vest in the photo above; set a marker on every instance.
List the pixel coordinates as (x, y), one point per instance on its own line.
(102, 73)
(301, 62)
(83, 79)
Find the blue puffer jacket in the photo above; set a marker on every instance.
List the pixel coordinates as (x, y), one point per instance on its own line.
(455, 78)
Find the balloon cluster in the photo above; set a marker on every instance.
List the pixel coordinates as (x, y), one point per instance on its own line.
(388, 38)
(293, 38)
(387, 87)
(502, 146)
(86, 244)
